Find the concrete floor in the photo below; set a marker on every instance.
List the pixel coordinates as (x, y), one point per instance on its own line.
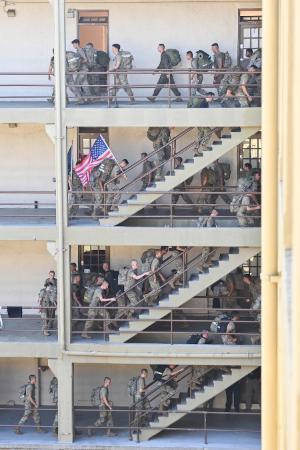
(26, 329)
(27, 216)
(223, 433)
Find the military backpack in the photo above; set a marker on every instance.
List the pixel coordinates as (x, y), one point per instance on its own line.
(22, 392)
(73, 61)
(105, 169)
(236, 203)
(91, 54)
(88, 294)
(123, 274)
(126, 60)
(194, 102)
(174, 55)
(148, 254)
(208, 173)
(227, 60)
(102, 59)
(203, 60)
(95, 396)
(132, 386)
(153, 133)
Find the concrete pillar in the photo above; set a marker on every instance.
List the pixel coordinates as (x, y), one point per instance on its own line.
(63, 370)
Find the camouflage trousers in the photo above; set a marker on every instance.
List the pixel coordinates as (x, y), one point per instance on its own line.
(243, 216)
(134, 297)
(167, 391)
(204, 139)
(205, 258)
(30, 410)
(48, 317)
(113, 199)
(141, 415)
(74, 201)
(98, 200)
(185, 197)
(204, 199)
(55, 422)
(160, 157)
(77, 83)
(195, 86)
(121, 82)
(153, 295)
(93, 315)
(105, 417)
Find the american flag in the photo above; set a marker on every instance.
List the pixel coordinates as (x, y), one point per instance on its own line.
(99, 151)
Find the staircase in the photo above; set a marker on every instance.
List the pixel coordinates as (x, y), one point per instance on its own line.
(226, 262)
(190, 402)
(190, 167)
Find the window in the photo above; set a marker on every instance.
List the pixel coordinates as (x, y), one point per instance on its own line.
(250, 152)
(253, 266)
(87, 137)
(91, 257)
(250, 31)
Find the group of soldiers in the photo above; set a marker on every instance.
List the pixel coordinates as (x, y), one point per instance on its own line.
(105, 180)
(28, 396)
(234, 88)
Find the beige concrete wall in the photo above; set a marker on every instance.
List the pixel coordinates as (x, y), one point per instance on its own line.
(14, 373)
(27, 164)
(24, 266)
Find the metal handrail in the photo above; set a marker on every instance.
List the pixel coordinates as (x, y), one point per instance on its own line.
(154, 152)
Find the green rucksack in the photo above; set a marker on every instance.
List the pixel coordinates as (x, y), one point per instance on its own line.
(122, 277)
(126, 60)
(194, 102)
(203, 60)
(226, 170)
(153, 133)
(88, 294)
(132, 386)
(73, 61)
(22, 392)
(95, 396)
(227, 60)
(106, 168)
(210, 174)
(91, 54)
(102, 58)
(236, 203)
(174, 56)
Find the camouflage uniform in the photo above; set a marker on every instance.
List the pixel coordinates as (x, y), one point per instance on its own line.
(197, 80)
(75, 194)
(80, 77)
(203, 139)
(219, 184)
(54, 395)
(178, 265)
(48, 303)
(76, 313)
(134, 292)
(241, 96)
(182, 187)
(164, 154)
(205, 258)
(95, 313)
(167, 390)
(121, 79)
(142, 405)
(113, 199)
(218, 63)
(98, 197)
(151, 298)
(105, 415)
(51, 68)
(243, 215)
(147, 167)
(207, 222)
(30, 409)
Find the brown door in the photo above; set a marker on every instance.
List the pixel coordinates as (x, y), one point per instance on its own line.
(250, 31)
(93, 27)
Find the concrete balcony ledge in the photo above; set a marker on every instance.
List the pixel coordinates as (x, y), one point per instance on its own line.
(165, 353)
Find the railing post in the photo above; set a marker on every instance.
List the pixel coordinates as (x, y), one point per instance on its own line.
(169, 90)
(205, 427)
(172, 326)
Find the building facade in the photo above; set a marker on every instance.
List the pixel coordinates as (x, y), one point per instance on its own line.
(47, 223)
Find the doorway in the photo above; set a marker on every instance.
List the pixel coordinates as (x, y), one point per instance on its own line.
(250, 31)
(93, 27)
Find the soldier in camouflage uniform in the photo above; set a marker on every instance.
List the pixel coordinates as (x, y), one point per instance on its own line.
(219, 183)
(97, 309)
(134, 291)
(168, 387)
(203, 140)
(48, 303)
(31, 407)
(51, 74)
(163, 137)
(113, 199)
(151, 298)
(182, 186)
(53, 392)
(177, 252)
(76, 189)
(205, 258)
(97, 187)
(121, 79)
(218, 62)
(208, 221)
(141, 403)
(148, 166)
(51, 279)
(250, 88)
(80, 77)
(105, 409)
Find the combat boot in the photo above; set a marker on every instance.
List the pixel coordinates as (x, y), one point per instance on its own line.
(46, 333)
(18, 430)
(151, 99)
(132, 99)
(39, 429)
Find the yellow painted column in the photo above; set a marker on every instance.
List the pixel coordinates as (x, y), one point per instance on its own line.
(269, 225)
